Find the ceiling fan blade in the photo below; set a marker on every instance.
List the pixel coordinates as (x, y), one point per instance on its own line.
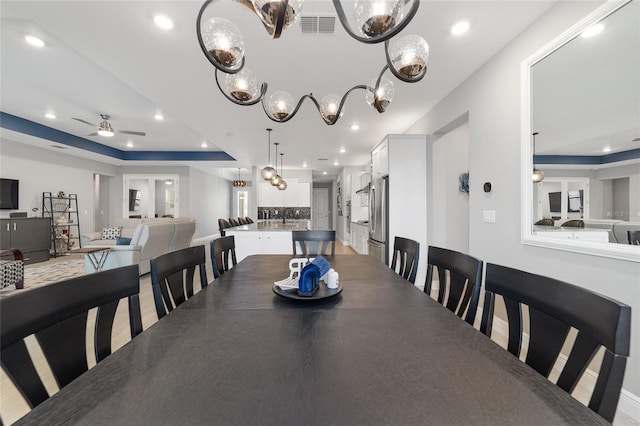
(93, 134)
(129, 132)
(84, 121)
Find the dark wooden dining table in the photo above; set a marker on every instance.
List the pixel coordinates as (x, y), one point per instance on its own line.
(380, 352)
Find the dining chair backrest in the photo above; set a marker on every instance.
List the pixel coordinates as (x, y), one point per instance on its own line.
(248, 219)
(57, 315)
(223, 255)
(406, 254)
(314, 243)
(172, 277)
(574, 223)
(459, 280)
(222, 225)
(554, 308)
(634, 237)
(234, 222)
(242, 221)
(545, 222)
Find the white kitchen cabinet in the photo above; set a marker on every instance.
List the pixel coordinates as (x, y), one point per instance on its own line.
(359, 237)
(348, 187)
(380, 159)
(290, 195)
(249, 243)
(304, 194)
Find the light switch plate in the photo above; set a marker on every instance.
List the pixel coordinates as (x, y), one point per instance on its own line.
(489, 216)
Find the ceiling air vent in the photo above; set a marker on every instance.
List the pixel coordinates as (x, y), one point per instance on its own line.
(317, 24)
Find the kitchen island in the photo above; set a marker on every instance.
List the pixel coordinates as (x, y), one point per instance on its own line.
(266, 236)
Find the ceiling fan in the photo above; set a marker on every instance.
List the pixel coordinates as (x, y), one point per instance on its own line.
(105, 129)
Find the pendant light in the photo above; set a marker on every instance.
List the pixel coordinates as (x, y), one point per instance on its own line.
(239, 183)
(282, 185)
(538, 175)
(275, 180)
(269, 172)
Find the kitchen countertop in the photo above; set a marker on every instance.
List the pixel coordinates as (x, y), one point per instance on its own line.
(275, 225)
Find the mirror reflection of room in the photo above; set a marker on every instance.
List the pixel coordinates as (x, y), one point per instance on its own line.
(588, 131)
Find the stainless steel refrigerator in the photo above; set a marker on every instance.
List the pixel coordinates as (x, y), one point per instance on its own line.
(379, 219)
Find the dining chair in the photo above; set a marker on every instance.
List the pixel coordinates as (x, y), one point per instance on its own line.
(234, 222)
(58, 315)
(172, 277)
(545, 222)
(242, 221)
(634, 237)
(459, 281)
(248, 219)
(223, 255)
(222, 225)
(574, 223)
(314, 242)
(406, 254)
(554, 308)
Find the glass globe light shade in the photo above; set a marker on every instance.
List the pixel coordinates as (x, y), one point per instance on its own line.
(409, 56)
(384, 94)
(275, 181)
(242, 85)
(223, 40)
(268, 172)
(280, 105)
(377, 17)
(282, 185)
(329, 107)
(267, 11)
(537, 175)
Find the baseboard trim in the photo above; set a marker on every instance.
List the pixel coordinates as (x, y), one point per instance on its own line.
(629, 403)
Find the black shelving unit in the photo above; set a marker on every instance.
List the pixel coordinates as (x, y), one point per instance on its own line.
(65, 221)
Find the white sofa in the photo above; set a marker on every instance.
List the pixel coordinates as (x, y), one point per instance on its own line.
(149, 238)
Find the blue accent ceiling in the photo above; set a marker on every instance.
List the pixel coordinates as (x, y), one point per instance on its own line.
(17, 124)
(595, 160)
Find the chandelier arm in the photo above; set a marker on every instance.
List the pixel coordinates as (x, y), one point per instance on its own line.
(263, 90)
(377, 39)
(396, 73)
(282, 13)
(376, 104)
(204, 48)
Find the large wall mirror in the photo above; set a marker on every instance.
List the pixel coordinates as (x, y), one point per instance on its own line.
(581, 130)
(147, 196)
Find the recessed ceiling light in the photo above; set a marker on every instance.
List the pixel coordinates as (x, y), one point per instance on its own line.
(592, 30)
(50, 116)
(129, 144)
(304, 164)
(159, 117)
(324, 173)
(163, 22)
(204, 145)
(168, 182)
(606, 149)
(460, 28)
(335, 163)
(34, 41)
(354, 127)
(342, 150)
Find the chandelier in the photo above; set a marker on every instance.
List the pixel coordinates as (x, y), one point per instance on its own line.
(239, 183)
(376, 21)
(537, 175)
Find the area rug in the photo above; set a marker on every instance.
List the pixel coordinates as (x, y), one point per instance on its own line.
(36, 276)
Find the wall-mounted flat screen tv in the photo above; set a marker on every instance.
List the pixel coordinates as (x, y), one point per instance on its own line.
(9, 194)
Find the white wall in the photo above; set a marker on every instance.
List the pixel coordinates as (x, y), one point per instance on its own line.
(41, 171)
(210, 198)
(491, 97)
(450, 158)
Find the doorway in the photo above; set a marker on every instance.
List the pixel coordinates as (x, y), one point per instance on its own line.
(451, 203)
(320, 208)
